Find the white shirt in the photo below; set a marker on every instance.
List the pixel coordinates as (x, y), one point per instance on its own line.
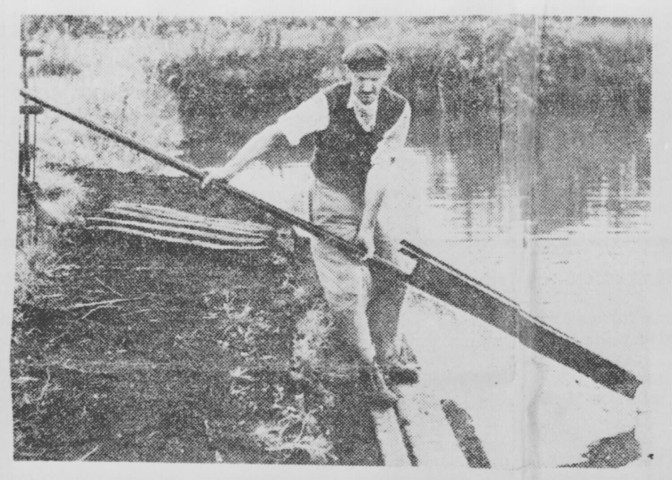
(366, 114)
(313, 116)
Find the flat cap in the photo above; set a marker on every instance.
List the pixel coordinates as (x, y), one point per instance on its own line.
(366, 55)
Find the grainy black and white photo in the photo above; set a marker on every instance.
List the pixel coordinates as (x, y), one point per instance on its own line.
(382, 241)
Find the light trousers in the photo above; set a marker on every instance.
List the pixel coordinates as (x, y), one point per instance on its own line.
(365, 301)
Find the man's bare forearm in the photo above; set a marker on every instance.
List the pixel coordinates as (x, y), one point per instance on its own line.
(376, 182)
(254, 148)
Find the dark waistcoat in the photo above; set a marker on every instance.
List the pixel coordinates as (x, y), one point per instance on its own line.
(343, 150)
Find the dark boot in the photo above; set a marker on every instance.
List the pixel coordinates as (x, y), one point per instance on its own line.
(400, 372)
(381, 395)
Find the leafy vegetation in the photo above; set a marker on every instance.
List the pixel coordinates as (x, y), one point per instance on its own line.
(227, 76)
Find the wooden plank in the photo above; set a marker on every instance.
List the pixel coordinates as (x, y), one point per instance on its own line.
(440, 280)
(164, 238)
(390, 439)
(200, 222)
(215, 227)
(181, 232)
(172, 213)
(166, 213)
(193, 219)
(431, 438)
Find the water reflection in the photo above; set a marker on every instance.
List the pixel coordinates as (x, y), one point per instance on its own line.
(589, 168)
(589, 223)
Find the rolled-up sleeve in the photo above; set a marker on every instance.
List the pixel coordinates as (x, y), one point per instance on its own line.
(309, 117)
(394, 139)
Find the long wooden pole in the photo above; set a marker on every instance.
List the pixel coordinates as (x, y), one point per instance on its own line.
(430, 275)
(355, 251)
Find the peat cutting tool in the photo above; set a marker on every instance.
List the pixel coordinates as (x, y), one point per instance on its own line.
(429, 275)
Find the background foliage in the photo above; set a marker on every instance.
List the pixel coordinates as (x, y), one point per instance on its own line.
(155, 76)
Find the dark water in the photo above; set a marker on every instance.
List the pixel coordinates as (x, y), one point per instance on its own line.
(577, 259)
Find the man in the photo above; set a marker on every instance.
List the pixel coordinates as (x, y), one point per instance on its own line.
(359, 127)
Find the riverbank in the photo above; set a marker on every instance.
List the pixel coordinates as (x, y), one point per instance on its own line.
(133, 350)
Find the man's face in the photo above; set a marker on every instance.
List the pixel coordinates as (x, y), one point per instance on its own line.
(367, 85)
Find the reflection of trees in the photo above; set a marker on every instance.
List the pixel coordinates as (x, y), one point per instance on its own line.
(472, 146)
(578, 153)
(575, 151)
(463, 177)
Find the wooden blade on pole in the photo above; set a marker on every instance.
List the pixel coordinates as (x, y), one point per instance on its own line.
(431, 275)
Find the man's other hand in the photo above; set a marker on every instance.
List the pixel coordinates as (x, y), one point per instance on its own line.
(365, 239)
